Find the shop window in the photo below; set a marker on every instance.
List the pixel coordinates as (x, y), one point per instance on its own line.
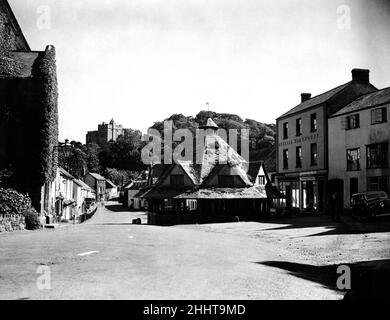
(295, 197)
(377, 155)
(353, 159)
(378, 115)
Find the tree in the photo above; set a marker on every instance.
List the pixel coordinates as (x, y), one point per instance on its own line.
(92, 157)
(72, 158)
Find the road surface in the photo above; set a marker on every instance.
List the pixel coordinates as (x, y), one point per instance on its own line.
(109, 258)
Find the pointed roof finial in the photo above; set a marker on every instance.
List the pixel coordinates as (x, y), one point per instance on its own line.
(210, 125)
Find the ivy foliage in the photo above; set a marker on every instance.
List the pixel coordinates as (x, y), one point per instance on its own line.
(13, 202)
(9, 66)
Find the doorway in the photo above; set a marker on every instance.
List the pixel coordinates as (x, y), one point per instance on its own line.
(353, 186)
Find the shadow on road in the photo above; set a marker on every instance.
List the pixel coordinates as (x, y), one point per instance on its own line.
(369, 279)
(116, 208)
(347, 226)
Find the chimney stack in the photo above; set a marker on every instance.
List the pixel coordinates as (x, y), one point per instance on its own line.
(305, 96)
(360, 75)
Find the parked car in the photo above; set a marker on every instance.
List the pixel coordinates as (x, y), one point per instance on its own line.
(370, 205)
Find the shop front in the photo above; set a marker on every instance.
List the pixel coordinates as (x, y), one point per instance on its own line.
(304, 191)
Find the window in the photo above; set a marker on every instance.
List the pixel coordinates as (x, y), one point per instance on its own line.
(299, 127)
(285, 159)
(353, 159)
(285, 130)
(313, 154)
(177, 180)
(262, 180)
(353, 122)
(299, 157)
(380, 183)
(226, 181)
(313, 122)
(191, 204)
(378, 115)
(295, 197)
(377, 156)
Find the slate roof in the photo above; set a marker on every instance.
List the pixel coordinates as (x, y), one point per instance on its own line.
(319, 99)
(65, 173)
(137, 185)
(110, 183)
(369, 100)
(83, 185)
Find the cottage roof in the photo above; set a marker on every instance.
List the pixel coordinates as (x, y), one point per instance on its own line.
(369, 100)
(137, 185)
(216, 153)
(110, 183)
(96, 176)
(65, 173)
(83, 185)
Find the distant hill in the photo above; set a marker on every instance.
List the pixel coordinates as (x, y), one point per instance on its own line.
(261, 135)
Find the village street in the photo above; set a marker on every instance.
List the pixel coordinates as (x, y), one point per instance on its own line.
(109, 258)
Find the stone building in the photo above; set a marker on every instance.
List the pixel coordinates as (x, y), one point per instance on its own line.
(359, 136)
(97, 183)
(106, 132)
(303, 143)
(28, 112)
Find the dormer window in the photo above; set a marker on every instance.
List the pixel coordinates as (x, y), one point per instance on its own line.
(261, 179)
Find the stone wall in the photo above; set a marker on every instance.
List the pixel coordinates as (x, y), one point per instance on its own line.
(11, 222)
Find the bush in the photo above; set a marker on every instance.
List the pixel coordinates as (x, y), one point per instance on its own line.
(13, 202)
(32, 219)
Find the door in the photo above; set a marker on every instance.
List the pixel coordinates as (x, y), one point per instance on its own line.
(288, 197)
(353, 186)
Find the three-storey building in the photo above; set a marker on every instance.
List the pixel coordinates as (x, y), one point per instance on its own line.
(302, 143)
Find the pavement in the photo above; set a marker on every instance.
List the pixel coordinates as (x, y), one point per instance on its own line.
(108, 257)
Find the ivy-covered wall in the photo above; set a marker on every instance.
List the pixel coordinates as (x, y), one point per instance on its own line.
(28, 116)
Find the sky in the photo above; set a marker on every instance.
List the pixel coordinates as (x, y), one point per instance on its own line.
(140, 61)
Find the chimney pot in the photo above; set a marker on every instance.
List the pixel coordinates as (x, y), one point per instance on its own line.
(360, 75)
(305, 96)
